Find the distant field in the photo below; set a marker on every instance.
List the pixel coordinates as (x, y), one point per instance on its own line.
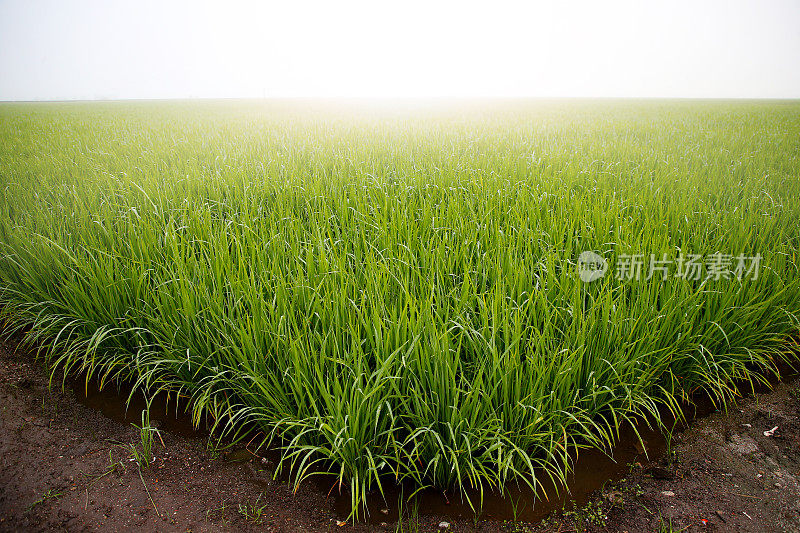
(394, 292)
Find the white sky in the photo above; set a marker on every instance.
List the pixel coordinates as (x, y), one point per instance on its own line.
(142, 49)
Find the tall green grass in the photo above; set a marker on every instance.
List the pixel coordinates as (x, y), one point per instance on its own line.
(390, 293)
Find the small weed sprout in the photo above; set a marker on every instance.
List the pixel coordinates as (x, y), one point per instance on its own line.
(49, 495)
(253, 512)
(142, 451)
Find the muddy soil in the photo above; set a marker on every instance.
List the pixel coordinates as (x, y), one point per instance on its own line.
(66, 466)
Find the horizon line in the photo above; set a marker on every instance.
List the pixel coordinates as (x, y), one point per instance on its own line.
(389, 98)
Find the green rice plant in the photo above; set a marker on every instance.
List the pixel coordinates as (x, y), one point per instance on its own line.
(392, 296)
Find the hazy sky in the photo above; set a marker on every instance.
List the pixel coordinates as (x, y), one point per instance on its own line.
(140, 49)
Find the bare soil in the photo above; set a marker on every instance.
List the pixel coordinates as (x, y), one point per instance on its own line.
(65, 466)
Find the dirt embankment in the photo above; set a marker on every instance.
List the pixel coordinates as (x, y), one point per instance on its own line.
(67, 467)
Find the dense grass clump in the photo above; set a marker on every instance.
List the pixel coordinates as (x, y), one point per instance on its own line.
(392, 293)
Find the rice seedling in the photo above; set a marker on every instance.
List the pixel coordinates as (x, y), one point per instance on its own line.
(394, 296)
(142, 451)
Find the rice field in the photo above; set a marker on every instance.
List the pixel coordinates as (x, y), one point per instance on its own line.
(392, 293)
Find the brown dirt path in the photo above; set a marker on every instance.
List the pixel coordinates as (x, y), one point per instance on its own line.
(65, 467)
